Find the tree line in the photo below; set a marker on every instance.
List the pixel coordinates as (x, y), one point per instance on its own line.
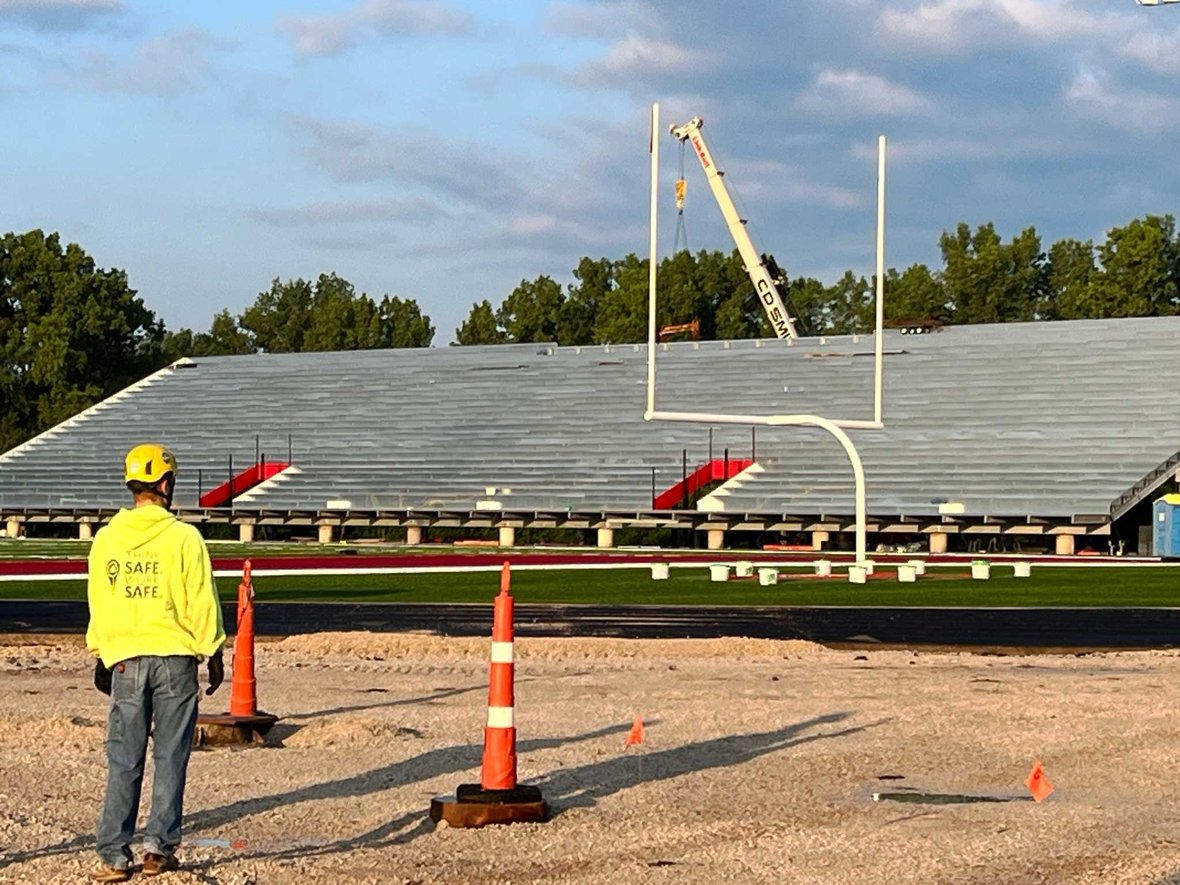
(983, 279)
(72, 333)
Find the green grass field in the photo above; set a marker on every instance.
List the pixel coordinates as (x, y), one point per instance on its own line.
(943, 586)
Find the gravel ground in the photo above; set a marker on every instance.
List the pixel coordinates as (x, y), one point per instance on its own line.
(760, 764)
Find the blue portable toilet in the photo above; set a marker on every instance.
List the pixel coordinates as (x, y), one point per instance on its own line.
(1166, 523)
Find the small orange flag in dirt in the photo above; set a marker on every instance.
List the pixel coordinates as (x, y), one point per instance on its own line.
(1038, 783)
(635, 735)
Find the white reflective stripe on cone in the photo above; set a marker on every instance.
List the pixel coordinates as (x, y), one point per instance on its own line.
(502, 653)
(500, 717)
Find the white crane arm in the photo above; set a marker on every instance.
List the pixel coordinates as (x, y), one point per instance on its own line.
(768, 294)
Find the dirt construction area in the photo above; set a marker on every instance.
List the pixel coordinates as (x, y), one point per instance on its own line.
(761, 761)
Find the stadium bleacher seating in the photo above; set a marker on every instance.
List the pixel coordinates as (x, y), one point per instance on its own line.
(1028, 419)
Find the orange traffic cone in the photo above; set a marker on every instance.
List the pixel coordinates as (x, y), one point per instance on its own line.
(243, 696)
(243, 723)
(499, 736)
(635, 735)
(1038, 783)
(497, 798)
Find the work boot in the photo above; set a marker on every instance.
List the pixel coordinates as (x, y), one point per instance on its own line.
(154, 864)
(106, 873)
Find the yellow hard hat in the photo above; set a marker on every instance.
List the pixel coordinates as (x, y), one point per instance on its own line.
(148, 463)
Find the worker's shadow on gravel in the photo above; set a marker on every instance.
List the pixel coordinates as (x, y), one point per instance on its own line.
(563, 789)
(433, 763)
(582, 787)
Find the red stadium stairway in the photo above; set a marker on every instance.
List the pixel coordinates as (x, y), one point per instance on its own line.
(243, 482)
(717, 470)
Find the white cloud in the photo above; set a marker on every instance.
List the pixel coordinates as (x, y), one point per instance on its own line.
(953, 26)
(602, 20)
(175, 62)
(1056, 19)
(442, 165)
(769, 181)
(852, 93)
(943, 25)
(1155, 51)
(635, 56)
(325, 35)
(335, 33)
(532, 224)
(1131, 110)
(60, 15)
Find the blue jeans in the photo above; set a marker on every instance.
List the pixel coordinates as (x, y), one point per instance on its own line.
(146, 691)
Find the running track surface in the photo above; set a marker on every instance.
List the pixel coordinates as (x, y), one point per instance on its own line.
(1066, 628)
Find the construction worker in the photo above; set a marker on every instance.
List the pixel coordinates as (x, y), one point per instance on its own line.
(154, 616)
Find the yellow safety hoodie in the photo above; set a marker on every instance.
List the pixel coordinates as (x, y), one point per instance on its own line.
(151, 589)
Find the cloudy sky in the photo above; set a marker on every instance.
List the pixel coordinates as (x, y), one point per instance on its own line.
(443, 151)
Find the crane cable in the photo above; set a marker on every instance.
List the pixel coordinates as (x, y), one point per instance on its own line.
(681, 188)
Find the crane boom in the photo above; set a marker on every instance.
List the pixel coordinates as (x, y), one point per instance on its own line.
(760, 276)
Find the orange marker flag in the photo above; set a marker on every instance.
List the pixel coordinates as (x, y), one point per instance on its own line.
(635, 735)
(1038, 783)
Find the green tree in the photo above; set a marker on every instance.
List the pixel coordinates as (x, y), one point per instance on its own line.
(849, 306)
(339, 319)
(684, 293)
(622, 315)
(70, 333)
(1140, 270)
(575, 320)
(530, 312)
(224, 338)
(403, 324)
(480, 326)
(735, 319)
(279, 317)
(296, 316)
(807, 297)
(1070, 281)
(914, 294)
(178, 344)
(988, 281)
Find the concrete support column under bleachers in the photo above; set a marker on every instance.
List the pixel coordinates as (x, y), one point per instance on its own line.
(325, 533)
(507, 536)
(246, 532)
(716, 539)
(606, 538)
(85, 531)
(13, 527)
(938, 542)
(819, 538)
(1065, 545)
(413, 535)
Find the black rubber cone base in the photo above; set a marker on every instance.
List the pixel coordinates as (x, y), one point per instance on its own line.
(225, 730)
(473, 806)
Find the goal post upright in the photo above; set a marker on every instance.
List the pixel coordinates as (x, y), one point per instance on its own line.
(879, 331)
(835, 427)
(653, 261)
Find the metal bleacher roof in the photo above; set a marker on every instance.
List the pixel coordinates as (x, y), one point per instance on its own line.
(1030, 419)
